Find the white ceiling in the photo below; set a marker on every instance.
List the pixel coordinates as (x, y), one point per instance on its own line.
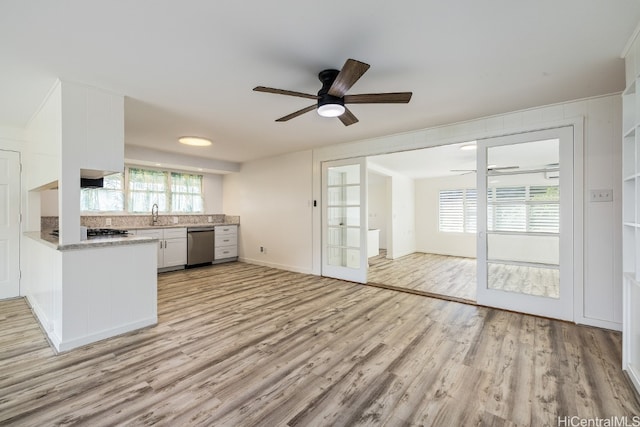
(188, 67)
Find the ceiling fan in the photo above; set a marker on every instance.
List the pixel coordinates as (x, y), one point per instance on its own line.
(331, 98)
(490, 168)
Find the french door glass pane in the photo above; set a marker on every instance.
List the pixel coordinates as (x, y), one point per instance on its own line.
(525, 279)
(343, 216)
(523, 218)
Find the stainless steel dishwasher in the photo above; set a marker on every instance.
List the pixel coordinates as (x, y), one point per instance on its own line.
(199, 246)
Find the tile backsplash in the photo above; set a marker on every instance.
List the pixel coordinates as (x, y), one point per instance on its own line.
(118, 221)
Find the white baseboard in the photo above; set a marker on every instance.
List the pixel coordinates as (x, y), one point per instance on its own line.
(45, 323)
(606, 324)
(109, 333)
(275, 265)
(634, 377)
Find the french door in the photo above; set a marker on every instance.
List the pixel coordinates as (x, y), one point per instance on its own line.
(344, 219)
(525, 222)
(9, 224)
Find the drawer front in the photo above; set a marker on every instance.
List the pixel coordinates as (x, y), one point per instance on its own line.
(174, 233)
(225, 239)
(227, 229)
(226, 252)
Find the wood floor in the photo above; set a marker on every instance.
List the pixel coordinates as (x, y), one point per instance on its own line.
(434, 274)
(243, 345)
(456, 277)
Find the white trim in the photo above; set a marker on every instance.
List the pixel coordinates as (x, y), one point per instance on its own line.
(630, 41)
(109, 333)
(275, 265)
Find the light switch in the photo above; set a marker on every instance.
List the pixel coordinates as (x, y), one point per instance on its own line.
(601, 195)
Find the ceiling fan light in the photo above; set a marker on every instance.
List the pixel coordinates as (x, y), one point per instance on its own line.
(331, 110)
(195, 141)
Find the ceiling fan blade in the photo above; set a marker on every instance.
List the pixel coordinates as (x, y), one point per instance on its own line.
(502, 168)
(284, 92)
(379, 98)
(351, 71)
(297, 113)
(462, 170)
(347, 118)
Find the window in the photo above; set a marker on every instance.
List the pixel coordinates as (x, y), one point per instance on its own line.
(532, 209)
(186, 192)
(110, 198)
(140, 188)
(457, 211)
(147, 187)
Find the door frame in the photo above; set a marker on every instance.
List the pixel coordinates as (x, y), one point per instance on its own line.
(17, 250)
(502, 125)
(563, 307)
(342, 272)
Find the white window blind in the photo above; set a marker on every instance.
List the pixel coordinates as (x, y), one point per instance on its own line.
(524, 209)
(534, 209)
(457, 211)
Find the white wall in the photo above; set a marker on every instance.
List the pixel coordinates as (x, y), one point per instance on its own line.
(379, 205)
(273, 198)
(403, 236)
(212, 188)
(597, 278)
(428, 238)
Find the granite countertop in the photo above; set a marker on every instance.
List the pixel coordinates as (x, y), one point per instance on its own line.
(93, 242)
(197, 225)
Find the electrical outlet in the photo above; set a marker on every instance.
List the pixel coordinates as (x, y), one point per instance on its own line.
(210, 218)
(601, 195)
(107, 222)
(261, 248)
(175, 219)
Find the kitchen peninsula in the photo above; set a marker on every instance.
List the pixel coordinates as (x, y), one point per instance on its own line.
(81, 291)
(93, 289)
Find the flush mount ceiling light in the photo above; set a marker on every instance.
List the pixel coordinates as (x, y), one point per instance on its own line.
(469, 147)
(194, 140)
(331, 110)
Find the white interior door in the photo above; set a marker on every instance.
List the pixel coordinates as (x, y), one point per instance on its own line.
(9, 224)
(344, 219)
(525, 223)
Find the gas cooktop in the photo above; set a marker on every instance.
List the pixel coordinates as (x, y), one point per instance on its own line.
(99, 232)
(94, 232)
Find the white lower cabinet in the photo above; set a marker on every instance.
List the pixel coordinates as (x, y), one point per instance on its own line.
(225, 243)
(172, 245)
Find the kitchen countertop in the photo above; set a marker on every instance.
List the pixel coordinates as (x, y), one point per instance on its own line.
(46, 238)
(151, 227)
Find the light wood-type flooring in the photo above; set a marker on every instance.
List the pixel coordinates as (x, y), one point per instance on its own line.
(429, 274)
(244, 345)
(456, 277)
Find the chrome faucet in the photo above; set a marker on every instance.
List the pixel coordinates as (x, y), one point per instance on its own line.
(154, 213)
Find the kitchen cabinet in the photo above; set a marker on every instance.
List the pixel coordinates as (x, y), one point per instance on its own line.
(172, 245)
(225, 243)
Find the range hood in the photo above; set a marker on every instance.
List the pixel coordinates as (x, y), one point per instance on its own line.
(91, 182)
(91, 178)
